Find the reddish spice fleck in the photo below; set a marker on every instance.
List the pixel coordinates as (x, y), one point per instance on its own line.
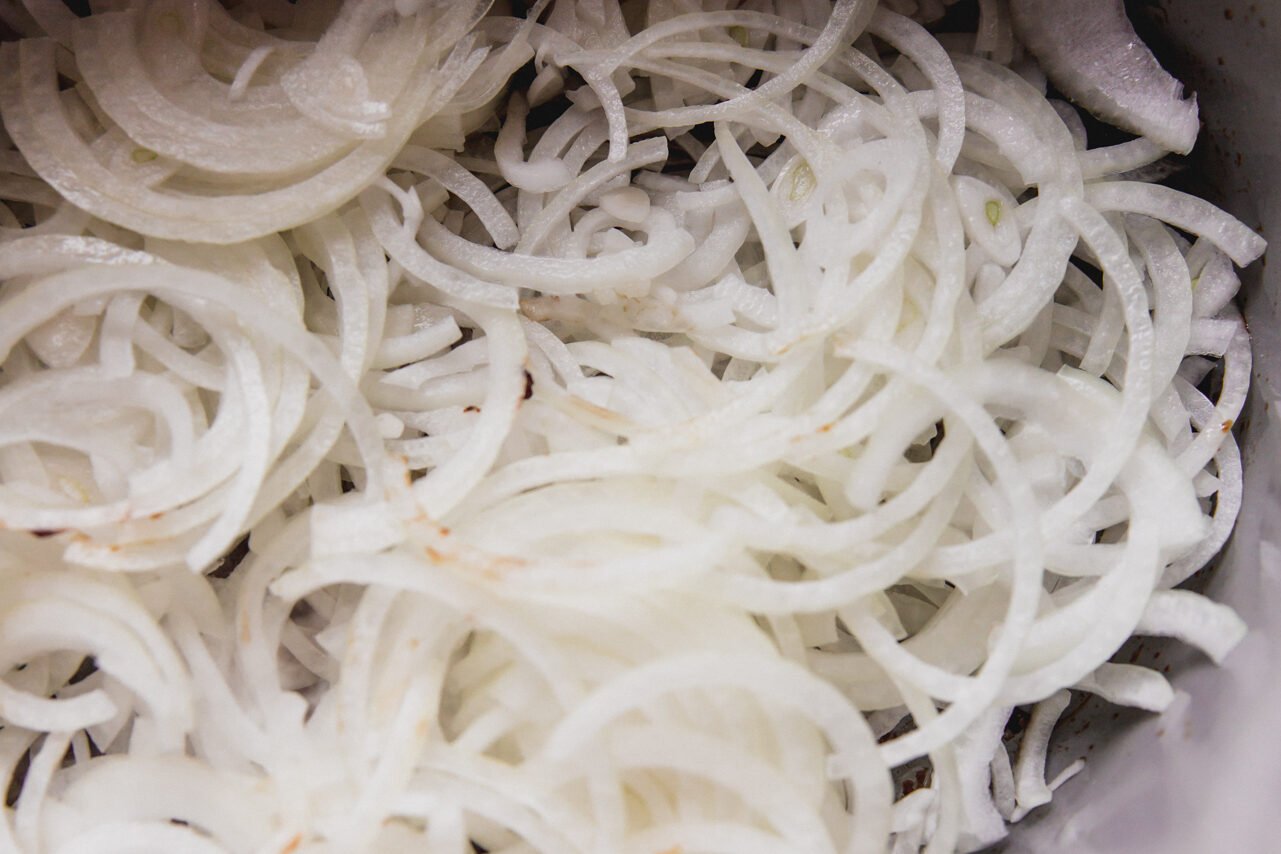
(157, 515)
(470, 408)
(444, 532)
(43, 532)
(1227, 426)
(529, 385)
(433, 555)
(825, 428)
(293, 844)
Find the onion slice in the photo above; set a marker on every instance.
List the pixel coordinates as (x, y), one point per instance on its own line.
(1091, 52)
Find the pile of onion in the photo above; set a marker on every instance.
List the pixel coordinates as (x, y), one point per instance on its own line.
(607, 426)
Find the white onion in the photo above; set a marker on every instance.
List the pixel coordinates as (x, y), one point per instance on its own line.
(1092, 53)
(389, 464)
